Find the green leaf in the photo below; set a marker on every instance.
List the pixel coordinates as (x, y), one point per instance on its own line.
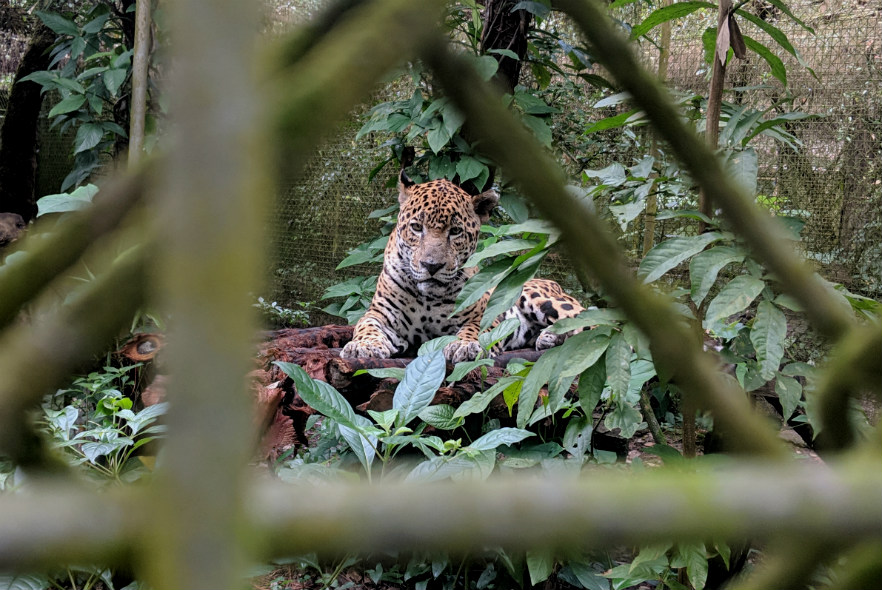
(591, 384)
(468, 168)
(509, 289)
(88, 136)
(626, 418)
(58, 23)
(664, 14)
(64, 202)
(583, 350)
(502, 330)
(789, 393)
(480, 401)
(441, 416)
(767, 335)
(538, 376)
(532, 104)
(319, 396)
(613, 122)
(113, 79)
(69, 104)
(422, 378)
(670, 253)
(735, 297)
(618, 365)
(364, 446)
(606, 316)
(775, 33)
(24, 582)
(742, 167)
(695, 556)
(539, 127)
(780, 5)
(486, 66)
(705, 266)
(486, 279)
(500, 436)
(775, 63)
(438, 138)
(460, 370)
(501, 247)
(540, 564)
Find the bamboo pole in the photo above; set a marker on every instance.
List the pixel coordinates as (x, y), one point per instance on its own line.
(212, 203)
(140, 69)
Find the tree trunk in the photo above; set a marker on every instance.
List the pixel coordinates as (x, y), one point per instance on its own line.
(504, 29)
(18, 137)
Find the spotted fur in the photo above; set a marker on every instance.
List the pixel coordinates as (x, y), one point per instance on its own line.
(437, 231)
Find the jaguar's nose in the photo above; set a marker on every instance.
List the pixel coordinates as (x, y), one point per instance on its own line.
(432, 267)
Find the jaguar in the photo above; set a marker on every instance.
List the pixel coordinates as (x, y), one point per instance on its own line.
(423, 273)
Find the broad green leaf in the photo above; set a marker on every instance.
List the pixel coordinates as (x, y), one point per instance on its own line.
(88, 136)
(438, 138)
(486, 66)
(735, 297)
(69, 104)
(461, 369)
(772, 31)
(670, 253)
(319, 396)
(364, 446)
(468, 168)
(613, 122)
(113, 79)
(501, 247)
(695, 557)
(500, 436)
(768, 334)
(502, 330)
(577, 436)
(775, 63)
(612, 100)
(539, 127)
(434, 344)
(24, 582)
(59, 24)
(486, 279)
(509, 289)
(440, 416)
(538, 9)
(626, 418)
(782, 6)
(789, 393)
(540, 564)
(606, 316)
(591, 384)
(384, 420)
(742, 167)
(539, 375)
(618, 365)
(480, 401)
(583, 350)
(64, 202)
(533, 105)
(664, 14)
(422, 378)
(705, 266)
(613, 175)
(439, 468)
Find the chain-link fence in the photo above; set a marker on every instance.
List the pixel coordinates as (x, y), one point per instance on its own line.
(833, 180)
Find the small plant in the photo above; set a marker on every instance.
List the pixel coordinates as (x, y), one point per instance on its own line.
(93, 424)
(277, 316)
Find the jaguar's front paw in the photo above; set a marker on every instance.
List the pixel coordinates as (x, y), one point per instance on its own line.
(462, 350)
(366, 348)
(547, 340)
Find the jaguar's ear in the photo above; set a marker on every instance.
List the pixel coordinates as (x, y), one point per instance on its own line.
(404, 184)
(485, 203)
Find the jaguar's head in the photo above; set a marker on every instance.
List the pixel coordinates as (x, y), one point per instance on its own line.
(437, 230)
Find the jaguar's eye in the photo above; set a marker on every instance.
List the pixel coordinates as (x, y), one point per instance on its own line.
(455, 230)
(416, 227)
